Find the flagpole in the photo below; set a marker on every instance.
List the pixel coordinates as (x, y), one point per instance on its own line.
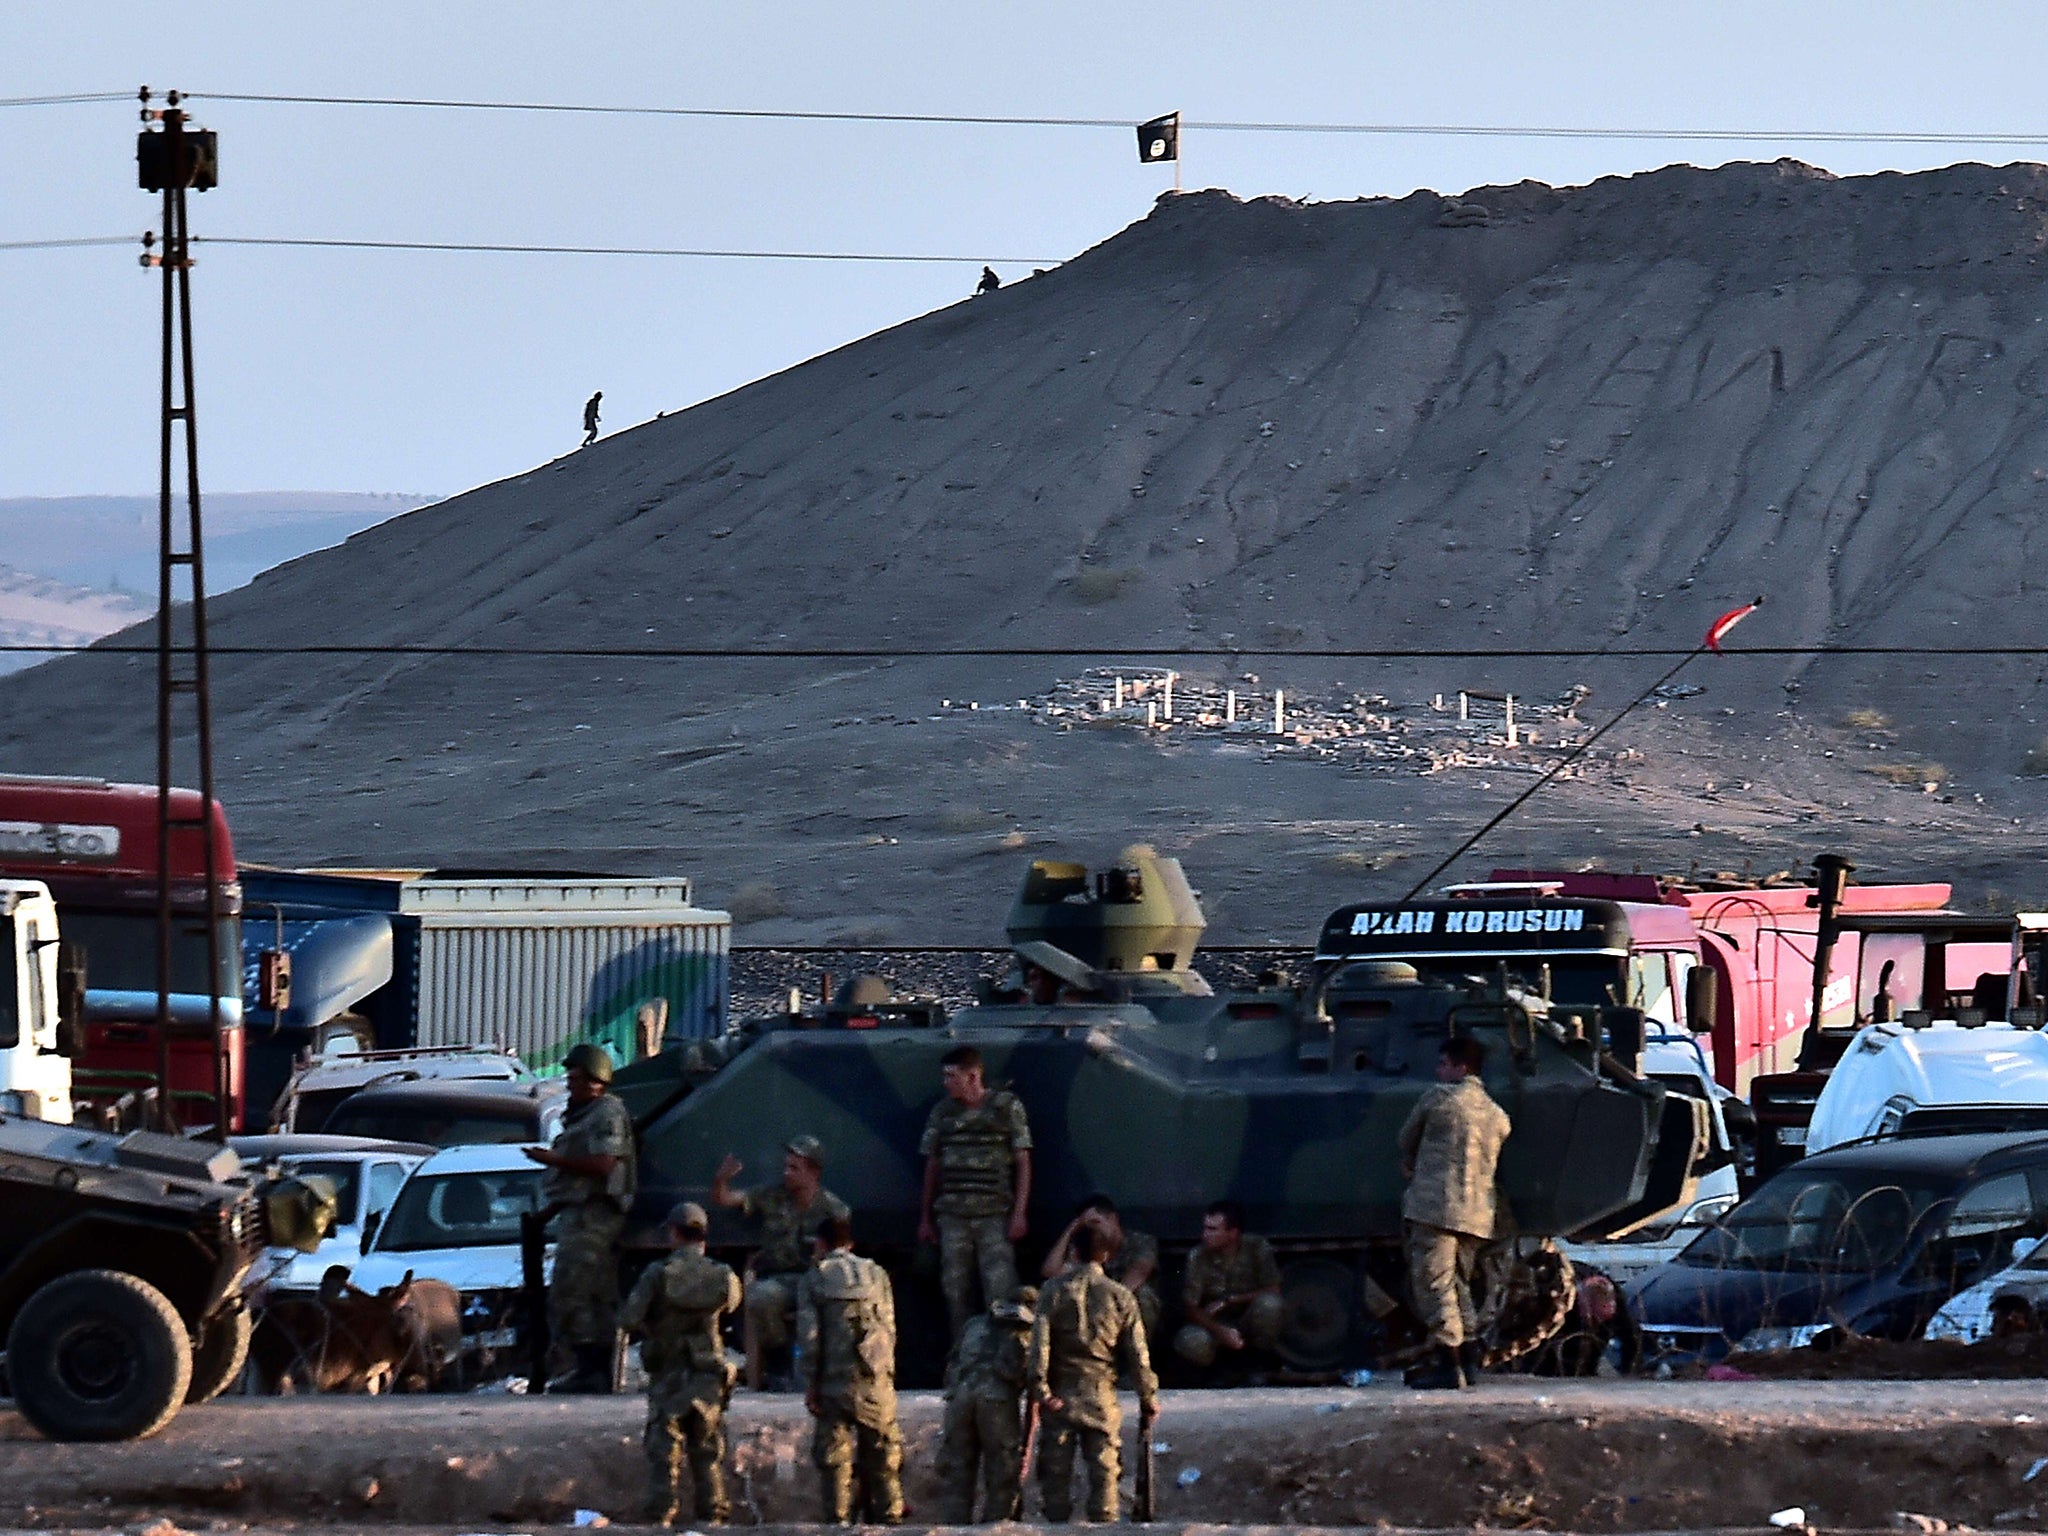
(1712, 643)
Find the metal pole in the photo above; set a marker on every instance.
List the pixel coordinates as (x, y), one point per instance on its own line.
(172, 251)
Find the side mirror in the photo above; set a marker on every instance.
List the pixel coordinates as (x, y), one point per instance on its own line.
(1702, 999)
(70, 999)
(371, 1223)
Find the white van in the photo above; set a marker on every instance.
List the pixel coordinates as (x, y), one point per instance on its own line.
(1931, 1076)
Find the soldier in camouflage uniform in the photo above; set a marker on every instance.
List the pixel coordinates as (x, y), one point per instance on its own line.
(1133, 1260)
(1450, 1151)
(977, 1184)
(1087, 1331)
(1231, 1292)
(789, 1211)
(846, 1346)
(587, 1191)
(677, 1306)
(984, 1424)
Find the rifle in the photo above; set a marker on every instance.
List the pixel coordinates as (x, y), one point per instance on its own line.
(1142, 1502)
(533, 1244)
(1024, 1456)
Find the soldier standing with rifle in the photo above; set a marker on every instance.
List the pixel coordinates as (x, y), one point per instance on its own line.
(679, 1305)
(846, 1340)
(1450, 1150)
(984, 1427)
(586, 1193)
(1088, 1329)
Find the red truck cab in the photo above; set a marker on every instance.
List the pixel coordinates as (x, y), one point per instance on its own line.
(94, 843)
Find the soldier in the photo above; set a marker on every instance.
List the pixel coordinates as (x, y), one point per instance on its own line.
(1088, 1330)
(590, 418)
(1450, 1149)
(789, 1211)
(977, 1183)
(1133, 1260)
(1232, 1291)
(679, 1305)
(989, 282)
(984, 1424)
(846, 1347)
(586, 1193)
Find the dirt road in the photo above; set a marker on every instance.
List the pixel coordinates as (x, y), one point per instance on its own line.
(1590, 1456)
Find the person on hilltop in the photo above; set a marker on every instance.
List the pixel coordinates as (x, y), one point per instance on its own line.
(1450, 1152)
(788, 1211)
(590, 419)
(989, 282)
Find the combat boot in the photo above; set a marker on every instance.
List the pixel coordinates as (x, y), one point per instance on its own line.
(1471, 1361)
(658, 1511)
(592, 1375)
(1439, 1373)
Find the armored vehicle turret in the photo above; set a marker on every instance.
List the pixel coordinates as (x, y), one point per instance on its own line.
(1142, 1083)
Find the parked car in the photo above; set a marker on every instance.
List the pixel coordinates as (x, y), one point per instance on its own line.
(1911, 1079)
(1873, 1237)
(457, 1220)
(456, 1114)
(1967, 1316)
(366, 1175)
(321, 1085)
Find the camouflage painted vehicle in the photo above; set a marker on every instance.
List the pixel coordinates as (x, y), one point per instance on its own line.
(1141, 1083)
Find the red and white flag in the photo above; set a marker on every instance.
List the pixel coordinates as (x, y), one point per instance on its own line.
(1718, 630)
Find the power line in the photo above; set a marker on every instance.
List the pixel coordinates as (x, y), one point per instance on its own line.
(71, 99)
(58, 245)
(947, 119)
(923, 258)
(1046, 652)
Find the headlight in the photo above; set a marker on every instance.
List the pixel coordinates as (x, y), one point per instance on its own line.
(1759, 1340)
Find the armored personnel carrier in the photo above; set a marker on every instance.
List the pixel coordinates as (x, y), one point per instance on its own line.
(121, 1268)
(1141, 1083)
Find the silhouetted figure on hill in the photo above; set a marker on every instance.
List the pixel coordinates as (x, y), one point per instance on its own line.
(590, 418)
(989, 282)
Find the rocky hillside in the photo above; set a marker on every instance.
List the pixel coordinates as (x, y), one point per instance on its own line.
(1528, 418)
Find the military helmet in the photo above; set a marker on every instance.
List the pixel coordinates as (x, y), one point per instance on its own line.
(809, 1148)
(1021, 1309)
(592, 1060)
(689, 1217)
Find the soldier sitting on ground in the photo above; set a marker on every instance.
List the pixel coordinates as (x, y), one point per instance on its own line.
(678, 1306)
(1133, 1260)
(1231, 1294)
(1088, 1331)
(789, 1211)
(984, 1424)
(846, 1344)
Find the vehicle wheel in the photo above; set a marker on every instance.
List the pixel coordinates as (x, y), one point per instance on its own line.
(218, 1358)
(1317, 1297)
(98, 1355)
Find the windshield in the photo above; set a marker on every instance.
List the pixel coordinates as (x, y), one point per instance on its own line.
(431, 1124)
(1586, 981)
(120, 950)
(460, 1210)
(1851, 1219)
(346, 1174)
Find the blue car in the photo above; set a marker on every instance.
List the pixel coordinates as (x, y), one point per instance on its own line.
(1872, 1237)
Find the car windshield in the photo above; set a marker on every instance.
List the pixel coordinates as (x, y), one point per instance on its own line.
(1850, 1218)
(434, 1125)
(346, 1174)
(460, 1210)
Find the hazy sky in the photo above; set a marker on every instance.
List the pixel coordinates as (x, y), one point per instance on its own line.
(433, 372)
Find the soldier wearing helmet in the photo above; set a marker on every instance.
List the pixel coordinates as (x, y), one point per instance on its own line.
(789, 1211)
(677, 1307)
(586, 1193)
(984, 1423)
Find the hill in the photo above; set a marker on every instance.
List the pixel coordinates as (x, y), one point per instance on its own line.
(1528, 418)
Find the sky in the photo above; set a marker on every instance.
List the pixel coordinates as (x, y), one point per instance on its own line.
(434, 372)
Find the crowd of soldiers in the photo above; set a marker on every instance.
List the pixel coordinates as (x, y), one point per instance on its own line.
(1027, 1362)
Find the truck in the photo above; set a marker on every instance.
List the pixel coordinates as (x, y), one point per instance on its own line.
(93, 844)
(41, 983)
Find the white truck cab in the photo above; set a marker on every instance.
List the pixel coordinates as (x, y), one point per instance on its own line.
(35, 1047)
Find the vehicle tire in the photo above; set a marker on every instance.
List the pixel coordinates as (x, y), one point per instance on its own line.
(218, 1358)
(1319, 1296)
(98, 1355)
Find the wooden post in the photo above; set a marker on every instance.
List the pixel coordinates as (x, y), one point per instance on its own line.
(1230, 707)
(1279, 710)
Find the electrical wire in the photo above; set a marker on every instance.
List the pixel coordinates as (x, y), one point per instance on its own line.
(1040, 652)
(58, 245)
(1454, 130)
(618, 250)
(71, 99)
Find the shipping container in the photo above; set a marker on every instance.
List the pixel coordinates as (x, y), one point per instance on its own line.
(537, 964)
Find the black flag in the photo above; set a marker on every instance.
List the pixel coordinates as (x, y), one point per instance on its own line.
(1159, 139)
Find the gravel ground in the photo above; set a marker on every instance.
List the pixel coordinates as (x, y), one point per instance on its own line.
(1594, 1456)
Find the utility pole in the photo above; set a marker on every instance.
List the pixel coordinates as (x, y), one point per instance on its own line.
(172, 158)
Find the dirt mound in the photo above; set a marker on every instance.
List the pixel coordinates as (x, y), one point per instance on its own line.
(1596, 417)
(1853, 1358)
